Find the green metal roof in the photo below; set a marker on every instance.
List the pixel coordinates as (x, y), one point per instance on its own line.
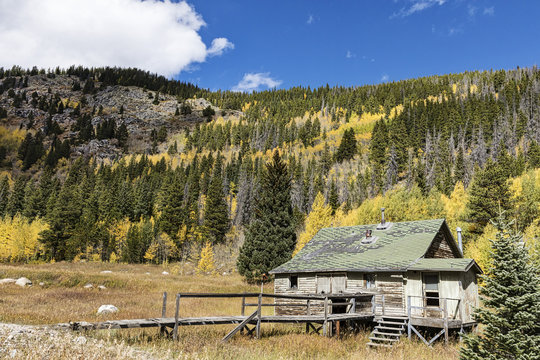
(341, 248)
(458, 264)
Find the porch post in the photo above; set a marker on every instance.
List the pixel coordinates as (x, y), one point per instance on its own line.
(409, 316)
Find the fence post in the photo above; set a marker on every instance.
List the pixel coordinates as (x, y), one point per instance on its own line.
(325, 323)
(309, 306)
(353, 306)
(373, 305)
(258, 331)
(445, 314)
(163, 312)
(243, 306)
(383, 304)
(409, 316)
(175, 332)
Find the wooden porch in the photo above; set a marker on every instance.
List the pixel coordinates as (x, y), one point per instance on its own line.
(321, 313)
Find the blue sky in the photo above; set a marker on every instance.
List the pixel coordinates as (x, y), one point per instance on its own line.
(251, 44)
(363, 42)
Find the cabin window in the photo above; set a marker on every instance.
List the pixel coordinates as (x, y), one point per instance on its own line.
(431, 289)
(370, 281)
(293, 281)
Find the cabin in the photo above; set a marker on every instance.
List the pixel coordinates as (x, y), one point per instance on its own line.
(413, 270)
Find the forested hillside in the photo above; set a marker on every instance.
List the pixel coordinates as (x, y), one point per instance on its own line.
(186, 172)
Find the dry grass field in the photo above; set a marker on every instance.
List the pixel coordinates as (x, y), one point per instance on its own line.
(137, 290)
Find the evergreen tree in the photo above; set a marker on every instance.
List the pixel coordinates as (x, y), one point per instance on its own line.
(511, 312)
(173, 212)
(333, 199)
(216, 215)
(270, 238)
(533, 155)
(63, 220)
(489, 192)
(16, 200)
(4, 195)
(347, 147)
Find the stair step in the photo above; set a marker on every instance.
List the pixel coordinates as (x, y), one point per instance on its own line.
(380, 345)
(382, 339)
(392, 323)
(395, 317)
(385, 333)
(380, 327)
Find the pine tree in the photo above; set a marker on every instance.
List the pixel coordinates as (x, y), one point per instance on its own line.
(333, 198)
(270, 238)
(16, 200)
(511, 312)
(173, 212)
(489, 192)
(347, 147)
(216, 214)
(63, 221)
(4, 195)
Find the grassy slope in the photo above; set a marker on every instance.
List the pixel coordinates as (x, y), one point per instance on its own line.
(138, 294)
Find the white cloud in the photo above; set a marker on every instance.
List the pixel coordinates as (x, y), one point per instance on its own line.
(385, 78)
(471, 10)
(350, 55)
(159, 36)
(252, 81)
(310, 19)
(489, 11)
(417, 6)
(219, 45)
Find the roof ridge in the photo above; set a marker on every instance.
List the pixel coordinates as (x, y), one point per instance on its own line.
(375, 224)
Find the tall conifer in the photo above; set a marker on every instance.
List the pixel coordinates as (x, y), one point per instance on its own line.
(270, 238)
(511, 303)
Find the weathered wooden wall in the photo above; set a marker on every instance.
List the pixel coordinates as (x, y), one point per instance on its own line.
(414, 288)
(306, 285)
(391, 285)
(450, 288)
(440, 249)
(470, 294)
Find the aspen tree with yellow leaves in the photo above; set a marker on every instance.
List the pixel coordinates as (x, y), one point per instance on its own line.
(319, 217)
(206, 263)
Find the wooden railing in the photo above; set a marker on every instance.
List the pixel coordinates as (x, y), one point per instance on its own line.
(444, 310)
(329, 302)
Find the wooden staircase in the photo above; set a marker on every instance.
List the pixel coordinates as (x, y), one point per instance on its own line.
(388, 331)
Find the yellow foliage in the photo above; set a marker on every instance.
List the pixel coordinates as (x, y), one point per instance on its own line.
(206, 262)
(480, 249)
(11, 138)
(151, 253)
(455, 205)
(319, 217)
(118, 231)
(114, 258)
(401, 204)
(19, 238)
(531, 236)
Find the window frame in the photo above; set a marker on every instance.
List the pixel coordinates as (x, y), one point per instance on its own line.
(431, 292)
(291, 287)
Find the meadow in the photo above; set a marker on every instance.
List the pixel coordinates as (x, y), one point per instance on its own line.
(137, 291)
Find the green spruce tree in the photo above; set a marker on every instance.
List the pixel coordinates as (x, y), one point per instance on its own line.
(489, 191)
(270, 238)
(510, 316)
(216, 214)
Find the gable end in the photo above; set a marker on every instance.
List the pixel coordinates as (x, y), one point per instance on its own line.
(443, 246)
